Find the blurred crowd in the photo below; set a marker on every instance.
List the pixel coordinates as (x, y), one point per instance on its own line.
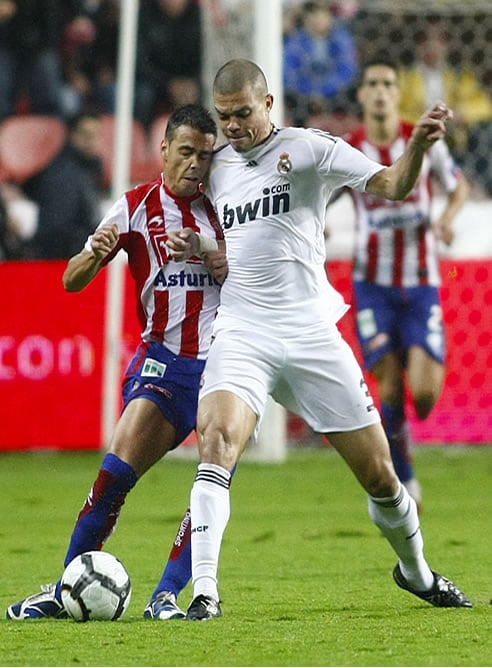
(58, 58)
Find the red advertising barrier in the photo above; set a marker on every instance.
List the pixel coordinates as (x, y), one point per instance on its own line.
(51, 355)
(50, 358)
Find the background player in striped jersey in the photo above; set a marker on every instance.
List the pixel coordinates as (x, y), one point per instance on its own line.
(396, 268)
(177, 303)
(275, 331)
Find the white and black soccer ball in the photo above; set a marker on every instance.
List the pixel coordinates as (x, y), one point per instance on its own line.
(95, 585)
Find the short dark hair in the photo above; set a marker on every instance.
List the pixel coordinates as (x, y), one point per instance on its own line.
(314, 5)
(193, 115)
(238, 73)
(376, 61)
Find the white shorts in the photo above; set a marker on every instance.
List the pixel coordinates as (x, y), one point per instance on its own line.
(316, 377)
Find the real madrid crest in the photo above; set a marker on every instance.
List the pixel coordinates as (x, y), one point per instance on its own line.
(284, 165)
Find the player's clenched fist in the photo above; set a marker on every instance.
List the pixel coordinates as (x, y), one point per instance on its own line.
(104, 240)
(431, 126)
(182, 244)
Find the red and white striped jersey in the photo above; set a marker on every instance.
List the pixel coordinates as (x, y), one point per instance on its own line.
(395, 243)
(176, 301)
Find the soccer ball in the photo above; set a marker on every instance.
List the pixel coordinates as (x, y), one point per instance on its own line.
(95, 585)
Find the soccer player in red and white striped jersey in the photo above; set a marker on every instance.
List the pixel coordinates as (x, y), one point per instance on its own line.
(396, 268)
(177, 304)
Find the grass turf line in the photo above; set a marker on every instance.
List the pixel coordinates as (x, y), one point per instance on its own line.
(305, 577)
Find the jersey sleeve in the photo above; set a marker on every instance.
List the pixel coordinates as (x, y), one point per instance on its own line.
(343, 164)
(118, 214)
(443, 166)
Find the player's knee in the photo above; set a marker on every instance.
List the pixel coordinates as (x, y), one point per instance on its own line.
(391, 390)
(424, 401)
(217, 446)
(382, 481)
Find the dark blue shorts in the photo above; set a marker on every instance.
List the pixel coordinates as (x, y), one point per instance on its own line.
(170, 381)
(393, 319)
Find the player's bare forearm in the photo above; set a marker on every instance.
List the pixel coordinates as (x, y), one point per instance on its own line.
(398, 180)
(84, 266)
(80, 271)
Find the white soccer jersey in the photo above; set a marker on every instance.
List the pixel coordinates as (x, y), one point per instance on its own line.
(395, 243)
(271, 203)
(177, 301)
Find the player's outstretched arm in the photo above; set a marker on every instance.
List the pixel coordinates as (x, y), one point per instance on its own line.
(398, 180)
(83, 267)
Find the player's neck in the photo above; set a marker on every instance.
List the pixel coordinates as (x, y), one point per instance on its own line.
(267, 134)
(382, 131)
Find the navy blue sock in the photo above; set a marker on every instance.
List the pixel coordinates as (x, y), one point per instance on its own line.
(101, 510)
(395, 425)
(177, 573)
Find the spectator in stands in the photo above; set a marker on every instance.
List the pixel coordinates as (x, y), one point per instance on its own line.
(69, 192)
(168, 57)
(320, 63)
(433, 77)
(18, 217)
(30, 37)
(293, 9)
(90, 50)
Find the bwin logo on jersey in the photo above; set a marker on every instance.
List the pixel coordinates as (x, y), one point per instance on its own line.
(275, 200)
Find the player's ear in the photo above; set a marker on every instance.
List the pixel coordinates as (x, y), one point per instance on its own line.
(269, 101)
(164, 149)
(360, 95)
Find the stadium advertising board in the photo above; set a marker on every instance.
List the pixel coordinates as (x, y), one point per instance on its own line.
(51, 355)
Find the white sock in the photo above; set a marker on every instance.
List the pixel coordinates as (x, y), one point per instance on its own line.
(210, 511)
(398, 520)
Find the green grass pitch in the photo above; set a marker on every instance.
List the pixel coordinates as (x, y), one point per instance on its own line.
(305, 577)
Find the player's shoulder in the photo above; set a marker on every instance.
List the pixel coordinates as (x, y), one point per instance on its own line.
(223, 152)
(308, 135)
(305, 141)
(139, 193)
(406, 129)
(357, 136)
(219, 150)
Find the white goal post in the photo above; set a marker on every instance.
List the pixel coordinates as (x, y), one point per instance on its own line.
(267, 47)
(121, 162)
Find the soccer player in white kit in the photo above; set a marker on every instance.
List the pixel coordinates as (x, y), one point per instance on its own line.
(276, 333)
(396, 268)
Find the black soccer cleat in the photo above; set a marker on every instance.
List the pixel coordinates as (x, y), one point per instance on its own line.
(443, 593)
(202, 608)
